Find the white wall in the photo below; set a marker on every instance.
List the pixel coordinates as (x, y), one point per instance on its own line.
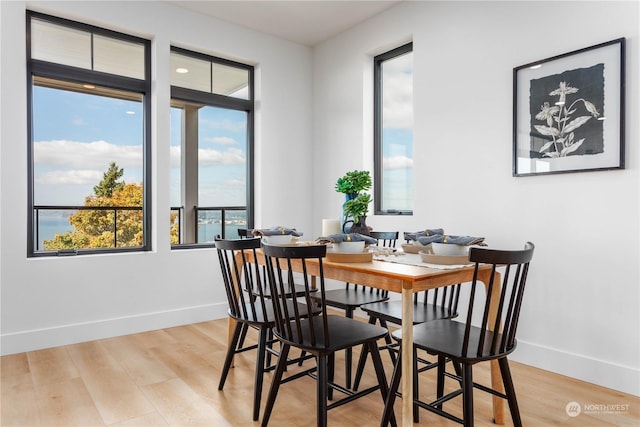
(581, 316)
(52, 301)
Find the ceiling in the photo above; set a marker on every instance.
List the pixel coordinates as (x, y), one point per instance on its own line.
(307, 22)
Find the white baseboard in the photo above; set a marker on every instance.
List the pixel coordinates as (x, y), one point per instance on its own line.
(37, 339)
(601, 372)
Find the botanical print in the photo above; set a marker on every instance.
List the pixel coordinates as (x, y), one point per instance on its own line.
(567, 112)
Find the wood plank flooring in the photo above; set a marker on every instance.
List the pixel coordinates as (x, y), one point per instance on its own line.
(170, 377)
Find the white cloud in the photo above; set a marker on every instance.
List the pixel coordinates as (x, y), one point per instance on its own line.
(175, 155)
(397, 162)
(82, 155)
(72, 177)
(232, 156)
(210, 157)
(398, 93)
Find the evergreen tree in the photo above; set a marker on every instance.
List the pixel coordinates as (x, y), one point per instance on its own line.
(109, 182)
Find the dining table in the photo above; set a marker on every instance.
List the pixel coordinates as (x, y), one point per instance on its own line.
(406, 276)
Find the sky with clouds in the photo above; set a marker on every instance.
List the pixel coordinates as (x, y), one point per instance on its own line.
(397, 133)
(77, 136)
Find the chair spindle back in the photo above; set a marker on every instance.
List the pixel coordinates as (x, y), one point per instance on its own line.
(300, 327)
(507, 295)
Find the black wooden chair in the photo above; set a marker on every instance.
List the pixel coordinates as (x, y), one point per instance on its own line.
(353, 296)
(244, 233)
(465, 344)
(248, 308)
(439, 303)
(321, 336)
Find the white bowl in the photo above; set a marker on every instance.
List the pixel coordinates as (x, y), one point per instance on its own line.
(449, 249)
(278, 239)
(349, 247)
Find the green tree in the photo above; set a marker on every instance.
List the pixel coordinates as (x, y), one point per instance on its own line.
(109, 182)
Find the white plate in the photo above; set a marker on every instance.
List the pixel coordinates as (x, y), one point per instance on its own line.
(349, 247)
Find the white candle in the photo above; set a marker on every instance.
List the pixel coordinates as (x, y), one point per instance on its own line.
(330, 226)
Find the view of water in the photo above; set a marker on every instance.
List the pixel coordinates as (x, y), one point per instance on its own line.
(49, 226)
(208, 232)
(52, 225)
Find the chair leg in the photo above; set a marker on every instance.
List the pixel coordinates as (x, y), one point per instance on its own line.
(259, 375)
(416, 389)
(510, 391)
(467, 395)
(331, 374)
(348, 356)
(275, 384)
(391, 394)
(382, 379)
(231, 351)
(362, 360)
(322, 391)
(442, 361)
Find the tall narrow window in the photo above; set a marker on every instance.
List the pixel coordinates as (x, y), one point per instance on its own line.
(88, 138)
(393, 132)
(211, 146)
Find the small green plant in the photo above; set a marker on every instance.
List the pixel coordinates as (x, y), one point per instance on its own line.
(354, 182)
(355, 208)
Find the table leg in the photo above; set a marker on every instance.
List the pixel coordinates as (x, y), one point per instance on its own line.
(407, 355)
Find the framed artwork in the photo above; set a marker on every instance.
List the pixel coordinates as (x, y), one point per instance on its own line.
(568, 112)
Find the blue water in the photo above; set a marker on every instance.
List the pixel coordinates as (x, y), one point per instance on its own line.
(208, 232)
(52, 225)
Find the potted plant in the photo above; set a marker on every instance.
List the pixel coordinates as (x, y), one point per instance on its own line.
(356, 206)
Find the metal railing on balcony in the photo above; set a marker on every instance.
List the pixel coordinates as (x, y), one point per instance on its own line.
(208, 221)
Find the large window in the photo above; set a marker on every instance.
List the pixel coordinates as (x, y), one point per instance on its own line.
(211, 148)
(393, 131)
(89, 92)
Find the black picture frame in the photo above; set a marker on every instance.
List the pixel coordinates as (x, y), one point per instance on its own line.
(568, 112)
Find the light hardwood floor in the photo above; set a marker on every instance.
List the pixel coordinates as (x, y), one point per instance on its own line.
(170, 377)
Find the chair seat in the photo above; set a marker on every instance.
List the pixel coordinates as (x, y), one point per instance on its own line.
(391, 311)
(351, 298)
(345, 333)
(444, 337)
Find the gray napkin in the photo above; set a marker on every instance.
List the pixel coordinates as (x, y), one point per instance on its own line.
(423, 233)
(454, 240)
(351, 237)
(277, 231)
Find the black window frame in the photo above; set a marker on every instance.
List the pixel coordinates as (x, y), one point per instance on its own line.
(378, 166)
(222, 101)
(63, 72)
